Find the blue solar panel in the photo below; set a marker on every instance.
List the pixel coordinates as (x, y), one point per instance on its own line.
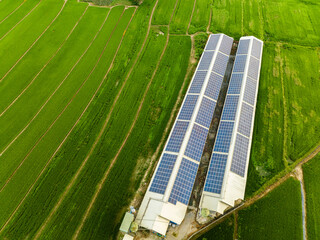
(163, 173)
(197, 82)
(253, 68)
(183, 184)
(216, 173)
(177, 136)
(212, 42)
(214, 85)
(239, 159)
(256, 48)
(250, 91)
(226, 45)
(220, 64)
(205, 112)
(196, 142)
(240, 63)
(243, 46)
(235, 83)
(230, 107)
(188, 107)
(205, 60)
(223, 137)
(245, 121)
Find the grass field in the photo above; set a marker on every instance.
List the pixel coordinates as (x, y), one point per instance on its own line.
(223, 231)
(311, 174)
(87, 93)
(276, 216)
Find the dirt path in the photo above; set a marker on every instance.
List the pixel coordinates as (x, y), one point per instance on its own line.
(48, 99)
(209, 23)
(55, 18)
(57, 51)
(12, 12)
(262, 194)
(21, 21)
(68, 134)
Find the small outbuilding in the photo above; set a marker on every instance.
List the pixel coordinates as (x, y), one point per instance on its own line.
(126, 222)
(127, 237)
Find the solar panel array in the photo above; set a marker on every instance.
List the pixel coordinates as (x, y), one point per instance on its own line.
(188, 136)
(240, 100)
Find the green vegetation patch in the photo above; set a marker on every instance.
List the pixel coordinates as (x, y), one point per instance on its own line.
(223, 231)
(311, 174)
(276, 216)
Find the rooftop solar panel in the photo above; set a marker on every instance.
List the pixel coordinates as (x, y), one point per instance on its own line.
(205, 112)
(188, 107)
(196, 142)
(245, 121)
(177, 136)
(239, 63)
(197, 82)
(256, 48)
(205, 60)
(163, 173)
(183, 184)
(220, 64)
(253, 71)
(250, 91)
(222, 143)
(212, 42)
(243, 47)
(239, 159)
(216, 173)
(226, 45)
(230, 107)
(214, 86)
(235, 83)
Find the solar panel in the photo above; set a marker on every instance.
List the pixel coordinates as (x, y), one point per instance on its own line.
(213, 86)
(177, 136)
(239, 159)
(250, 91)
(223, 137)
(243, 47)
(213, 41)
(253, 68)
(197, 82)
(245, 119)
(205, 112)
(163, 173)
(216, 173)
(230, 107)
(183, 184)
(256, 48)
(226, 45)
(205, 60)
(220, 64)
(240, 63)
(188, 107)
(196, 142)
(235, 83)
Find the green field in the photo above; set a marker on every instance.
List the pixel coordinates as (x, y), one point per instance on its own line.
(276, 216)
(87, 93)
(311, 174)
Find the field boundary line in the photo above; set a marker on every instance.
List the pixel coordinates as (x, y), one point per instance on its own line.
(42, 107)
(102, 182)
(83, 164)
(21, 20)
(12, 12)
(46, 29)
(194, 6)
(63, 141)
(62, 44)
